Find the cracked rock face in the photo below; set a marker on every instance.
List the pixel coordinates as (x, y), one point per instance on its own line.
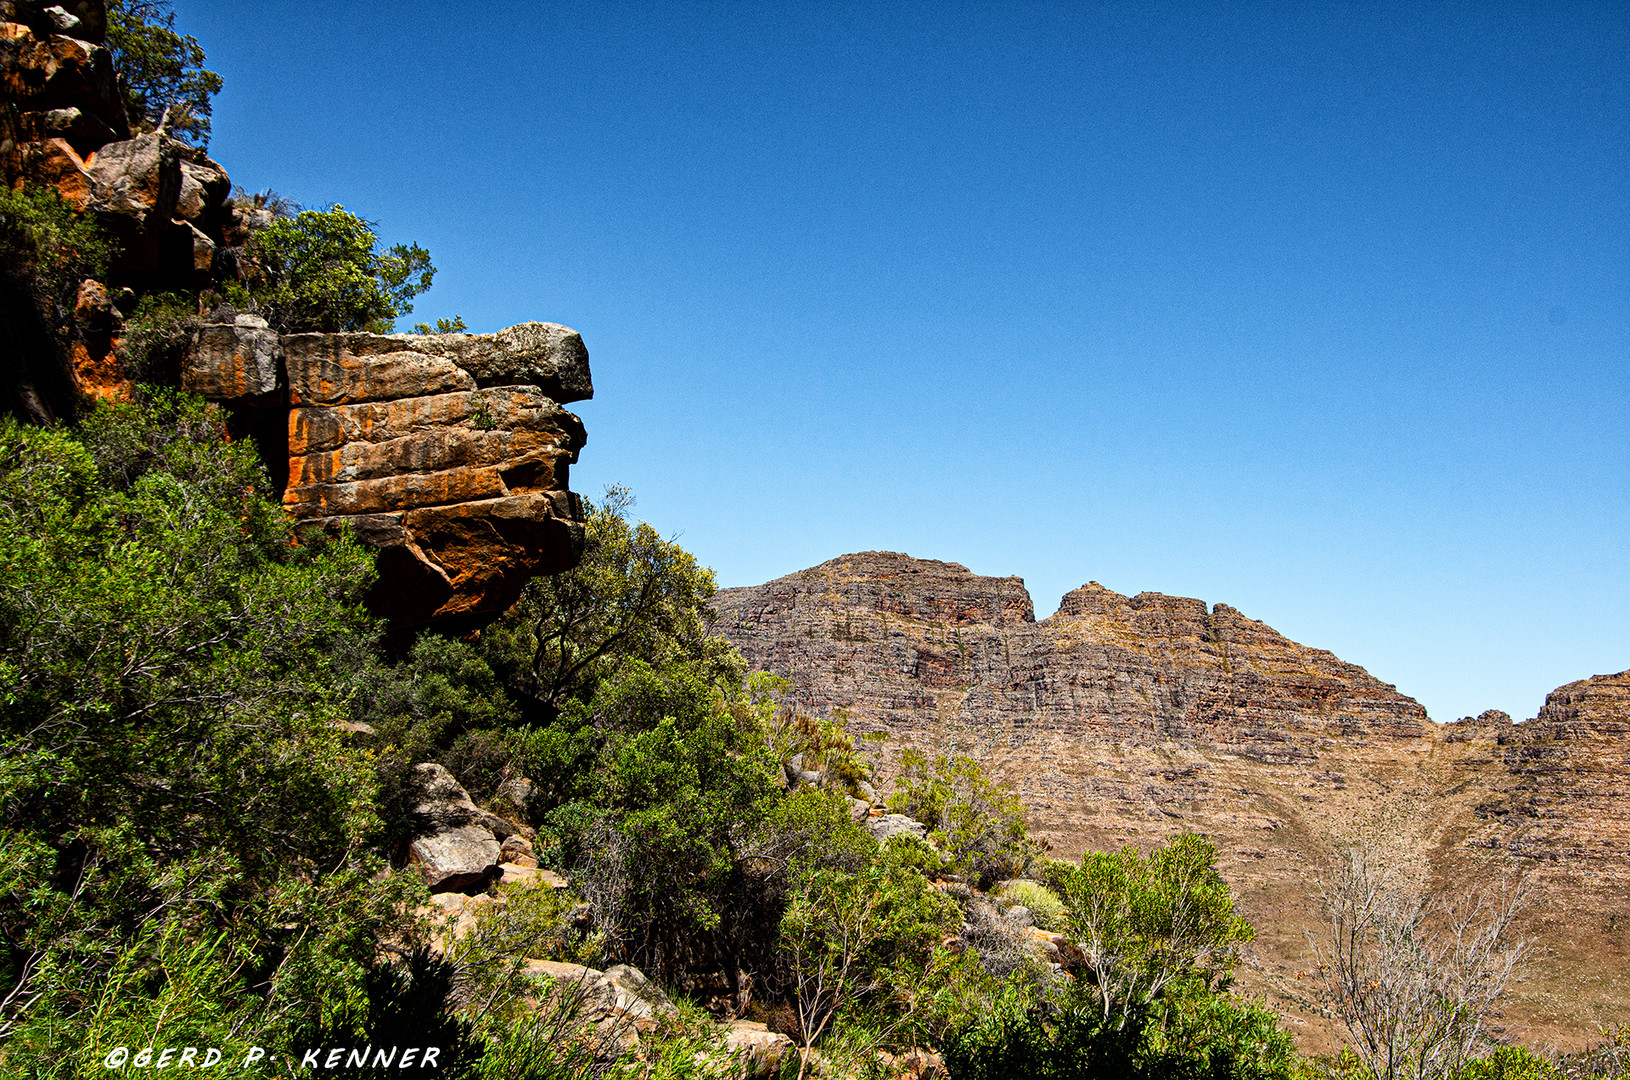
(447, 452)
(911, 643)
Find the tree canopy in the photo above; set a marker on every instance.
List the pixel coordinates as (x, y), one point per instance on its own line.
(160, 71)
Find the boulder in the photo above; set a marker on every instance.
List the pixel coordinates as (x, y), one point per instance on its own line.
(204, 188)
(888, 825)
(859, 810)
(42, 69)
(454, 850)
(53, 162)
(135, 185)
(514, 793)
(546, 355)
(758, 1049)
(235, 362)
(460, 482)
(620, 1002)
(517, 849)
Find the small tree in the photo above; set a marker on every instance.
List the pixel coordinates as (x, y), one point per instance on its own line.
(161, 73)
(1413, 976)
(322, 270)
(976, 820)
(845, 937)
(633, 595)
(1145, 923)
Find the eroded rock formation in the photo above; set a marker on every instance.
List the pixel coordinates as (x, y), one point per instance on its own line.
(913, 644)
(164, 204)
(448, 452)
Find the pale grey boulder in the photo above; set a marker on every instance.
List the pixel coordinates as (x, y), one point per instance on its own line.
(454, 849)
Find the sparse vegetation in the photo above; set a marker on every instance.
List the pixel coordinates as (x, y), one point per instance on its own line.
(1412, 976)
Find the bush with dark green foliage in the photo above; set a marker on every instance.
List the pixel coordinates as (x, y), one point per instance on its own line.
(157, 336)
(322, 270)
(46, 249)
(633, 595)
(161, 72)
(977, 821)
(183, 829)
(1191, 1035)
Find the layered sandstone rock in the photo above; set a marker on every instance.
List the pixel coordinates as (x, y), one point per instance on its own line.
(448, 452)
(915, 644)
(1565, 800)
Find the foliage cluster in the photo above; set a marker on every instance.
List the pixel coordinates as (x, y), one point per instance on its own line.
(323, 270)
(184, 834)
(46, 249)
(978, 822)
(160, 71)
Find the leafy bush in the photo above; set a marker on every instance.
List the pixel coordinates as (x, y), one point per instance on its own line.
(1191, 1035)
(322, 270)
(1146, 923)
(978, 822)
(455, 325)
(632, 596)
(46, 249)
(158, 335)
(160, 71)
(1509, 1063)
(847, 937)
(179, 817)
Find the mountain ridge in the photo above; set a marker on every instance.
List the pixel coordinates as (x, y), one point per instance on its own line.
(1126, 719)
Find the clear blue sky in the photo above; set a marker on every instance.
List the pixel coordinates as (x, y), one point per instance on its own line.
(1319, 310)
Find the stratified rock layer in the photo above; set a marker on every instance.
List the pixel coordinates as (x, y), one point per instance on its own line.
(912, 644)
(1128, 719)
(448, 452)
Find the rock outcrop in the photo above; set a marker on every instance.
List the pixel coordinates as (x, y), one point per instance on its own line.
(1565, 800)
(448, 452)
(454, 847)
(164, 204)
(912, 644)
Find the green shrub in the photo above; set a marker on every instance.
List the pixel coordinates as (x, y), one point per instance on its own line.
(157, 336)
(977, 821)
(1049, 911)
(455, 325)
(181, 821)
(46, 249)
(322, 270)
(1192, 1034)
(1147, 923)
(1510, 1063)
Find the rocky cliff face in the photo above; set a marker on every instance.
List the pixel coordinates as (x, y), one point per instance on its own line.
(1126, 719)
(448, 452)
(911, 644)
(165, 204)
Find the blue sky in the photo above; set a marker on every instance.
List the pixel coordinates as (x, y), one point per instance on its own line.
(1322, 311)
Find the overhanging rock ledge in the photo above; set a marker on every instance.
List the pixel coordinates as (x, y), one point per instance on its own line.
(447, 452)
